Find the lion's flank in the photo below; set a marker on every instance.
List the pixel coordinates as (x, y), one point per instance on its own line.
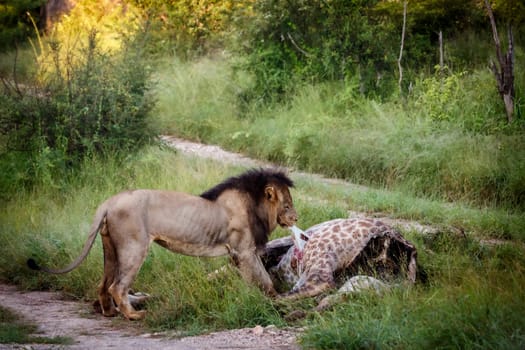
(253, 182)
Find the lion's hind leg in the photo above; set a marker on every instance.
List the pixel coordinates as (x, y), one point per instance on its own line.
(131, 256)
(110, 270)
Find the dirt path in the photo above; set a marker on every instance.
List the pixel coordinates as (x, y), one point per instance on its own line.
(76, 320)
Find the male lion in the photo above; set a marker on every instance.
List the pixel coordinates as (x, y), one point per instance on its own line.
(235, 217)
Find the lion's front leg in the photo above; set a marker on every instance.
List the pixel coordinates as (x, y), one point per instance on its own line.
(253, 271)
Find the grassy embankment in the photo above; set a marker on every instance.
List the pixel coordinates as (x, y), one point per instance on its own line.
(449, 145)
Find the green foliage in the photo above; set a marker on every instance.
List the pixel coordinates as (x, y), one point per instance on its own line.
(467, 101)
(511, 11)
(188, 28)
(81, 103)
(439, 94)
(317, 41)
(15, 21)
(290, 42)
(19, 63)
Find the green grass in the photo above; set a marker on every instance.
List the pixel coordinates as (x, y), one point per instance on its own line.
(472, 295)
(15, 330)
(451, 146)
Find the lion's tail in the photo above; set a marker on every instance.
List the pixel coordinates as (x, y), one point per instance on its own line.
(98, 222)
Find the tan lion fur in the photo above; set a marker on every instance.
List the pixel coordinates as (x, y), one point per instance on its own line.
(235, 217)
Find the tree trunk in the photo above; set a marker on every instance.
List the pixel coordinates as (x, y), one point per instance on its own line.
(504, 75)
(51, 11)
(441, 54)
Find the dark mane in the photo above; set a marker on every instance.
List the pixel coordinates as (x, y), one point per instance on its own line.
(252, 182)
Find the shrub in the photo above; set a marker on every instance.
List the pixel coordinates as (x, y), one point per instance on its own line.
(79, 103)
(317, 42)
(15, 21)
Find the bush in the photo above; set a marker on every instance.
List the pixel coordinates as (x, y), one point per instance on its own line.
(79, 104)
(318, 42)
(15, 21)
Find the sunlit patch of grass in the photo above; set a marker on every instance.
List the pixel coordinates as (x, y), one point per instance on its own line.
(196, 99)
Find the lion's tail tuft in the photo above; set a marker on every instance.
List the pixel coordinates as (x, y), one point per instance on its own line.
(31, 263)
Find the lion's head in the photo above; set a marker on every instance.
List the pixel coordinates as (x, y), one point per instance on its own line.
(269, 202)
(280, 205)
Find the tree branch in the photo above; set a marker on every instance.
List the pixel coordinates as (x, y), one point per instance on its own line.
(504, 75)
(297, 46)
(402, 46)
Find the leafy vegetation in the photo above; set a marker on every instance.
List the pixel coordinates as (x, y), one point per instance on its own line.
(15, 21)
(82, 100)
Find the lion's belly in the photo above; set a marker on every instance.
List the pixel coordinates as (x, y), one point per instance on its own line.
(188, 248)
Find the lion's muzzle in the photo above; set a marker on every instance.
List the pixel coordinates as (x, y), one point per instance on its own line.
(287, 218)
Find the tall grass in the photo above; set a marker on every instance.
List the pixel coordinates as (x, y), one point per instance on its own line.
(450, 145)
(467, 285)
(196, 100)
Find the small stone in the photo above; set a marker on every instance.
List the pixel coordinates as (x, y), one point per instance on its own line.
(258, 330)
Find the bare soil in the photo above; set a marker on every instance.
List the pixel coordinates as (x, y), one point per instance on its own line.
(56, 316)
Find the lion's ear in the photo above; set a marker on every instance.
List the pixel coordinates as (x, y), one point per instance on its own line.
(270, 193)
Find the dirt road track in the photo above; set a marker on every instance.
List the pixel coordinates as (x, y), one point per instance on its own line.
(58, 317)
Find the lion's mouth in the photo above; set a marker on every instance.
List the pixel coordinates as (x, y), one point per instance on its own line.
(282, 223)
(285, 223)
